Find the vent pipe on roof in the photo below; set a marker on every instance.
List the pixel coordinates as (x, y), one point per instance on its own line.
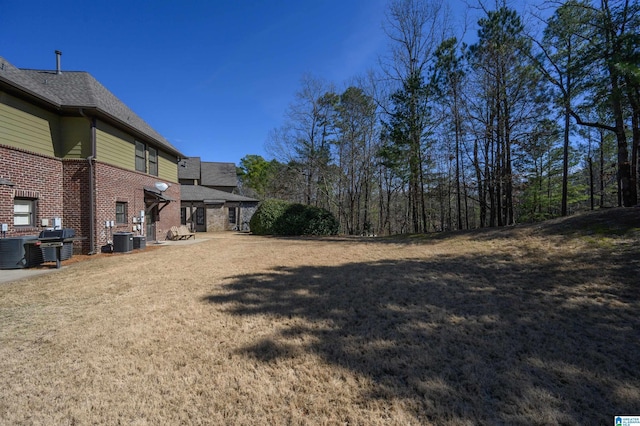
(58, 54)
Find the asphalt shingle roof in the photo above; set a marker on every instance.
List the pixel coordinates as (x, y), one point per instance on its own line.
(219, 174)
(17, 77)
(189, 168)
(78, 89)
(200, 193)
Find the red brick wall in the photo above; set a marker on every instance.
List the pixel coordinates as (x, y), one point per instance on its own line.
(76, 202)
(62, 189)
(34, 175)
(113, 185)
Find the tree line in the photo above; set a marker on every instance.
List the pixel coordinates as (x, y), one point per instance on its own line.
(515, 127)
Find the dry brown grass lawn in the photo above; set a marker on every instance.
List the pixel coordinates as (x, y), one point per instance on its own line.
(520, 326)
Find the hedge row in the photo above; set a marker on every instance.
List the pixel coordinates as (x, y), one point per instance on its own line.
(277, 217)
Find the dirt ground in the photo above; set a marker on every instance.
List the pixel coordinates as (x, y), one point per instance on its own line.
(525, 325)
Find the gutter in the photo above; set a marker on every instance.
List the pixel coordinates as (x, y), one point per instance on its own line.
(92, 189)
(15, 90)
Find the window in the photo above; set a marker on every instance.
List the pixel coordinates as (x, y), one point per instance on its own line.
(232, 215)
(183, 216)
(153, 161)
(200, 216)
(141, 163)
(146, 159)
(121, 212)
(24, 212)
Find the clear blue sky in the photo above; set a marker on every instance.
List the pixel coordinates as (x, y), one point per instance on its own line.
(213, 77)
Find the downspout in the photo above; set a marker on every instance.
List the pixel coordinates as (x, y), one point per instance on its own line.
(92, 204)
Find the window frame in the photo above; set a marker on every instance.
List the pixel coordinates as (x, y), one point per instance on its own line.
(200, 216)
(233, 216)
(31, 214)
(121, 217)
(183, 215)
(152, 168)
(140, 156)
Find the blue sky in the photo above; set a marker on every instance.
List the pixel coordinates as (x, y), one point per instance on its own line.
(213, 77)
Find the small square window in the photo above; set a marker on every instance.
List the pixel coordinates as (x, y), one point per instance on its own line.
(24, 212)
(121, 212)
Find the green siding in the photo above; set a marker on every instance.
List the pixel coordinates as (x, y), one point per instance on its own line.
(115, 147)
(118, 149)
(26, 126)
(76, 137)
(167, 167)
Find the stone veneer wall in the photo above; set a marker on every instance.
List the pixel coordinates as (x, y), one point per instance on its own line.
(217, 218)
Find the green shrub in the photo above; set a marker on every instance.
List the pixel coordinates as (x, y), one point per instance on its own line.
(266, 214)
(320, 222)
(291, 222)
(299, 219)
(281, 218)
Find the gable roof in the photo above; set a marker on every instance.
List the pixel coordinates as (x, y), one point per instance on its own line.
(75, 90)
(219, 174)
(189, 168)
(203, 193)
(209, 173)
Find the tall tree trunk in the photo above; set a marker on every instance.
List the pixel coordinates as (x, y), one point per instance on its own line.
(507, 170)
(565, 161)
(466, 195)
(481, 193)
(600, 133)
(458, 137)
(634, 151)
(591, 188)
(633, 95)
(509, 220)
(490, 169)
(627, 185)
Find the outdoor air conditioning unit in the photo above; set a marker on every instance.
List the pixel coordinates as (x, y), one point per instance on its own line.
(19, 252)
(122, 242)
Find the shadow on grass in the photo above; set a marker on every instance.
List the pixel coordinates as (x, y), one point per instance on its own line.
(477, 339)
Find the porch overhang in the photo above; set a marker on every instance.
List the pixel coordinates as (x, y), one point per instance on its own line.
(154, 197)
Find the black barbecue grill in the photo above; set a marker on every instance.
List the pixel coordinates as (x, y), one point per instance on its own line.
(56, 244)
(54, 237)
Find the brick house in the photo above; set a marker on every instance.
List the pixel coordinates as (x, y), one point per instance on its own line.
(208, 202)
(73, 155)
